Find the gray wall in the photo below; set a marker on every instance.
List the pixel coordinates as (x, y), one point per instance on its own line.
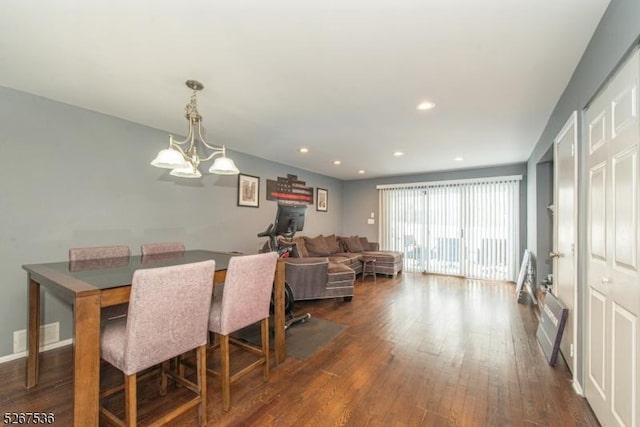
(360, 197)
(616, 34)
(71, 178)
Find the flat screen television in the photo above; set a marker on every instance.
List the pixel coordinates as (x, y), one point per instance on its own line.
(289, 219)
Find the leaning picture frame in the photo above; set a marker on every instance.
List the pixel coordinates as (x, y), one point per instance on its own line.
(322, 199)
(248, 191)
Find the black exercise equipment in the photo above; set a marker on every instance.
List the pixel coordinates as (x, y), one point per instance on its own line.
(289, 219)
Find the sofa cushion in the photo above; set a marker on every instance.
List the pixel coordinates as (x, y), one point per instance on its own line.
(342, 244)
(349, 259)
(316, 246)
(339, 259)
(385, 256)
(340, 273)
(302, 249)
(387, 262)
(353, 244)
(332, 244)
(365, 243)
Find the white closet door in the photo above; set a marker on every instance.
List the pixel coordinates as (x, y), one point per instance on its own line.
(565, 169)
(613, 281)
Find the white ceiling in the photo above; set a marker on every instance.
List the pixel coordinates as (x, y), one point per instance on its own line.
(341, 77)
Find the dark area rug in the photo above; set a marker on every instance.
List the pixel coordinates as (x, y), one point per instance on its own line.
(302, 339)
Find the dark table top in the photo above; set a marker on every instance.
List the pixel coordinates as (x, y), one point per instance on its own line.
(113, 272)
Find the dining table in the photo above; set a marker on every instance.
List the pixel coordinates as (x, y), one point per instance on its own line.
(90, 285)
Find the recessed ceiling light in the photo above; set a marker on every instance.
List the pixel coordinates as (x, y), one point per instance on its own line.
(398, 153)
(458, 159)
(303, 150)
(426, 105)
(361, 171)
(336, 162)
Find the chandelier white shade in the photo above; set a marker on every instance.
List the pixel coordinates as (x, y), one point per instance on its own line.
(224, 166)
(169, 159)
(182, 156)
(187, 171)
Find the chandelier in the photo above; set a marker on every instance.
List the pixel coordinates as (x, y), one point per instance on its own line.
(182, 156)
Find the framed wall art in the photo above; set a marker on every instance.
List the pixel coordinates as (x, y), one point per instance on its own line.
(248, 191)
(322, 199)
(289, 190)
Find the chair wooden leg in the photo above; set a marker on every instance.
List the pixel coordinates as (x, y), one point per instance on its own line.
(265, 346)
(202, 383)
(163, 377)
(130, 396)
(180, 366)
(225, 374)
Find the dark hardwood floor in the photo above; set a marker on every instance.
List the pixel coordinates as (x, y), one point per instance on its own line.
(418, 351)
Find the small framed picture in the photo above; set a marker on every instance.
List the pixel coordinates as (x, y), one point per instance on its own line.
(248, 191)
(322, 199)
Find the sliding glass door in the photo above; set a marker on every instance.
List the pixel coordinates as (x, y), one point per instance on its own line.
(466, 228)
(443, 226)
(491, 228)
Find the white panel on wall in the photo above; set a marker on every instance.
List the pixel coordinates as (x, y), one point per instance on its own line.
(624, 362)
(623, 110)
(596, 350)
(625, 218)
(598, 212)
(597, 132)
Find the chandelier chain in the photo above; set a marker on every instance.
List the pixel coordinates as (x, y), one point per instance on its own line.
(191, 109)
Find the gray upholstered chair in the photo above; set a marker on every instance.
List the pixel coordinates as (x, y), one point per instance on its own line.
(161, 248)
(244, 301)
(80, 255)
(98, 252)
(168, 316)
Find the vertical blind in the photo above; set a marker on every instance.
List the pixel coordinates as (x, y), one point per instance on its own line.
(467, 228)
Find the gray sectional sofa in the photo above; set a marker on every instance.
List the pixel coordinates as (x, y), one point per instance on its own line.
(326, 266)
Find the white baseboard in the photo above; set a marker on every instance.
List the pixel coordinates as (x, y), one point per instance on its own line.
(47, 347)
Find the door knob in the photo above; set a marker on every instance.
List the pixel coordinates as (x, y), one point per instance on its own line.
(605, 280)
(555, 254)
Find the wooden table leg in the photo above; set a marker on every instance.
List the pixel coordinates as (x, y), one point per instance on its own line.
(279, 334)
(33, 334)
(86, 358)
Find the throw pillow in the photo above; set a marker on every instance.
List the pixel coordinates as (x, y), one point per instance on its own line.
(302, 249)
(332, 244)
(364, 242)
(316, 246)
(353, 244)
(341, 244)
